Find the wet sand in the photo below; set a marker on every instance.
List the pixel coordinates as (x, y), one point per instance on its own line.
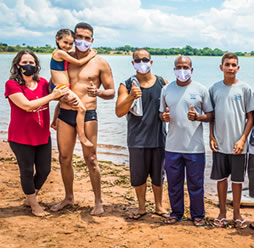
(75, 227)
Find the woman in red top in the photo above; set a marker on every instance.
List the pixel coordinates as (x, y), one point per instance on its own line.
(28, 133)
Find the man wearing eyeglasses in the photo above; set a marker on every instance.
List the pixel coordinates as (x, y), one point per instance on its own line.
(139, 99)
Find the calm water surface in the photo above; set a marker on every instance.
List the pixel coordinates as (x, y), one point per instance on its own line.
(112, 130)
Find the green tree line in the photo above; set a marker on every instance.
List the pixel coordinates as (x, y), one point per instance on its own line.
(187, 50)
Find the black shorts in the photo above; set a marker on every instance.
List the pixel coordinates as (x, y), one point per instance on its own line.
(69, 116)
(145, 162)
(228, 164)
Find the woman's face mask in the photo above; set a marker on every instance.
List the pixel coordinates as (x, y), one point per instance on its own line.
(28, 69)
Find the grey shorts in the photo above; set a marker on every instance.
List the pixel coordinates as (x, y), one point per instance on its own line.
(145, 162)
(228, 164)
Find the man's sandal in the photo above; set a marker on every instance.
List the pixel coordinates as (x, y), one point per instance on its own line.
(220, 222)
(171, 220)
(136, 216)
(199, 222)
(240, 223)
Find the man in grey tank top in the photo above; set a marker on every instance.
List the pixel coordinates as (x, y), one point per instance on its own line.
(139, 99)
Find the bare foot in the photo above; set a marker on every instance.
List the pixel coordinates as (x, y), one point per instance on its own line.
(26, 203)
(84, 140)
(39, 212)
(98, 209)
(61, 205)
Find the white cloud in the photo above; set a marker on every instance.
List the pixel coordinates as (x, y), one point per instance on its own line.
(120, 22)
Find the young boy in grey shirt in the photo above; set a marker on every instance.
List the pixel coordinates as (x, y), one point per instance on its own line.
(233, 103)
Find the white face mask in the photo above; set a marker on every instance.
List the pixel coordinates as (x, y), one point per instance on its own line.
(183, 75)
(83, 45)
(143, 68)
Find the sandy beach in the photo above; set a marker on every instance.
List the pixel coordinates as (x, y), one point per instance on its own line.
(75, 227)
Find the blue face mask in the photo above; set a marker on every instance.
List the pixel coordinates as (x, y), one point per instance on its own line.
(27, 70)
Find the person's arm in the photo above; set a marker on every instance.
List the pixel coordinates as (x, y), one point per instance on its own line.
(239, 145)
(107, 82)
(125, 100)
(56, 113)
(22, 102)
(213, 142)
(193, 116)
(65, 56)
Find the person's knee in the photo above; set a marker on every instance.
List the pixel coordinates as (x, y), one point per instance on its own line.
(91, 161)
(27, 172)
(65, 159)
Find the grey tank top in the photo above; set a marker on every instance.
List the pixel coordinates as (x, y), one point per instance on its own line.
(147, 131)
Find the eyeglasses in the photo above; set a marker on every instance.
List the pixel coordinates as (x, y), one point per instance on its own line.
(145, 60)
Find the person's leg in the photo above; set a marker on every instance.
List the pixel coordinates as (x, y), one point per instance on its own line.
(174, 166)
(139, 170)
(251, 175)
(141, 196)
(221, 169)
(81, 125)
(222, 188)
(238, 163)
(195, 167)
(237, 192)
(66, 138)
(90, 156)
(25, 155)
(42, 164)
(157, 175)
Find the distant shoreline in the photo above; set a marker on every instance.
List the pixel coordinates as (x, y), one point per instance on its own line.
(154, 55)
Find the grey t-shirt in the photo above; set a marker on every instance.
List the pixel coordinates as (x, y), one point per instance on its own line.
(185, 136)
(231, 104)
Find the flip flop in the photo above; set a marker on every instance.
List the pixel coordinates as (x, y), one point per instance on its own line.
(163, 215)
(136, 216)
(199, 222)
(220, 222)
(252, 226)
(171, 220)
(240, 223)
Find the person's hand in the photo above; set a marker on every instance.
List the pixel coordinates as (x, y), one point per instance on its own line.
(93, 53)
(92, 90)
(238, 147)
(72, 101)
(54, 124)
(166, 115)
(135, 91)
(213, 144)
(192, 115)
(59, 91)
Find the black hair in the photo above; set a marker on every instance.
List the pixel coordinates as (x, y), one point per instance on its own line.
(140, 49)
(229, 55)
(15, 72)
(61, 33)
(83, 25)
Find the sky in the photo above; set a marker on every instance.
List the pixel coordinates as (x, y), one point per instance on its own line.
(227, 25)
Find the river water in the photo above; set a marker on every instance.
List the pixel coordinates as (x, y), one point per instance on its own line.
(112, 130)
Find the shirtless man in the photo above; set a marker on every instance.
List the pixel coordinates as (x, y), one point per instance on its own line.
(85, 82)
